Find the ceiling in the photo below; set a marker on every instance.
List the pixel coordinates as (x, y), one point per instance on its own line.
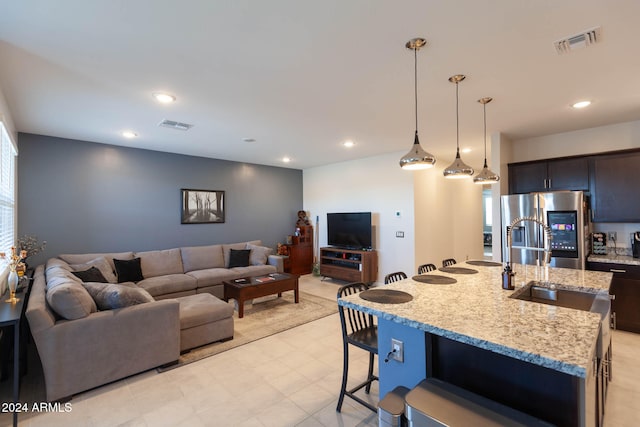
(301, 77)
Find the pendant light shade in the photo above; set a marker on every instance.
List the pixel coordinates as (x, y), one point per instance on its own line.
(486, 176)
(458, 169)
(416, 158)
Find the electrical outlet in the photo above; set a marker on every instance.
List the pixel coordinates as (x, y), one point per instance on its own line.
(612, 235)
(397, 348)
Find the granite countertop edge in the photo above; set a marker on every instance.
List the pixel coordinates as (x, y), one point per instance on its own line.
(558, 338)
(567, 368)
(614, 259)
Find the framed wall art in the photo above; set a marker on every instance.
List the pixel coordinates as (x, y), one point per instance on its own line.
(202, 206)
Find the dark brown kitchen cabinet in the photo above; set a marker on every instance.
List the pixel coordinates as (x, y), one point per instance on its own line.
(549, 175)
(625, 286)
(615, 193)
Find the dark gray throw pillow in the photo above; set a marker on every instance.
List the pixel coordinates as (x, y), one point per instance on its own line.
(90, 275)
(110, 296)
(239, 258)
(128, 270)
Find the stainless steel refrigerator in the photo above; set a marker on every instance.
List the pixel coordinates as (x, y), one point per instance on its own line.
(565, 212)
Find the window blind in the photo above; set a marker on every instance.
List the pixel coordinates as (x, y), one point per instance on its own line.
(7, 191)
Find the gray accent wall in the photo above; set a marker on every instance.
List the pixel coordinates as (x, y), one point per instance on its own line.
(88, 197)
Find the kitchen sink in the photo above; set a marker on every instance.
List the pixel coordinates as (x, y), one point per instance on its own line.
(550, 294)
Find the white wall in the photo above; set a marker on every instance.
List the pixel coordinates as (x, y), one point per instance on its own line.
(440, 218)
(448, 217)
(375, 184)
(620, 136)
(501, 148)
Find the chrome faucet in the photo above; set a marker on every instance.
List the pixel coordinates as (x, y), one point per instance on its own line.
(547, 239)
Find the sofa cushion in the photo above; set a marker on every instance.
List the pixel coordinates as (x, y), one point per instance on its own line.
(200, 309)
(110, 296)
(102, 264)
(226, 249)
(70, 301)
(128, 270)
(172, 283)
(239, 258)
(212, 276)
(252, 270)
(90, 275)
(259, 254)
(53, 263)
(160, 263)
(82, 258)
(58, 276)
(202, 257)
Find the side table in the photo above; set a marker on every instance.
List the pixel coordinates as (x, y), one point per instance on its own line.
(12, 314)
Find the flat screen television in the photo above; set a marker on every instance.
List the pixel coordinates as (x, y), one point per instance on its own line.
(349, 230)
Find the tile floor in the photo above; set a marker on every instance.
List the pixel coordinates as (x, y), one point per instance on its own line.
(288, 379)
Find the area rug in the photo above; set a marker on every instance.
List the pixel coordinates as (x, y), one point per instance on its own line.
(263, 319)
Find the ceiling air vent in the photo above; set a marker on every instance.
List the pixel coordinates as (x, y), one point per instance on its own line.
(584, 39)
(172, 124)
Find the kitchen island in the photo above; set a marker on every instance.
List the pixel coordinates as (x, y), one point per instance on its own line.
(537, 358)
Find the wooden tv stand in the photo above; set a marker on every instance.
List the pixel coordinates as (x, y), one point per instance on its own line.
(349, 264)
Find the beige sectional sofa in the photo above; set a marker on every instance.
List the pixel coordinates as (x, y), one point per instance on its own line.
(89, 334)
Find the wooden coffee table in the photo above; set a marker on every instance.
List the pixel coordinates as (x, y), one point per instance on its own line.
(259, 286)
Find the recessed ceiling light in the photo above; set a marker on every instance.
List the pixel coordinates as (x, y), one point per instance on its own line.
(349, 144)
(466, 150)
(581, 104)
(286, 159)
(164, 98)
(129, 134)
(248, 139)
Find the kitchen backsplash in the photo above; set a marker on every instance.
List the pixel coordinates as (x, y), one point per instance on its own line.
(623, 232)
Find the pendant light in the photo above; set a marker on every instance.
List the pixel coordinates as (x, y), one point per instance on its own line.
(458, 168)
(486, 176)
(416, 158)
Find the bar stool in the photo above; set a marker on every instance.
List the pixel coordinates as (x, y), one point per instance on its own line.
(358, 329)
(394, 277)
(448, 262)
(425, 268)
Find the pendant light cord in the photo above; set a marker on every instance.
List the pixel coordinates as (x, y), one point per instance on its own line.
(457, 123)
(484, 109)
(415, 80)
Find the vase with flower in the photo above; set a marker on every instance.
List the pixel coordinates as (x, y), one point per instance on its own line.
(32, 245)
(15, 261)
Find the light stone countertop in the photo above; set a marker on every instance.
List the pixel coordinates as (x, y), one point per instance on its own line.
(477, 311)
(614, 259)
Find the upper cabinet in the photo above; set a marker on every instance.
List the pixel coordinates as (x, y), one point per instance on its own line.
(615, 193)
(610, 178)
(549, 175)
